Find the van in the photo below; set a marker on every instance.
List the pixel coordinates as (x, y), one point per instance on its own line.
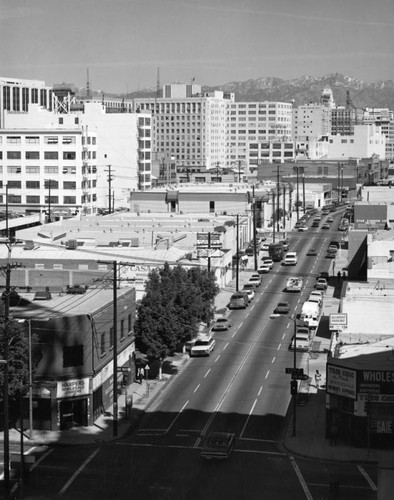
(239, 300)
(291, 259)
(310, 314)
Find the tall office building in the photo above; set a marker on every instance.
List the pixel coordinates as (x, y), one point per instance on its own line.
(188, 126)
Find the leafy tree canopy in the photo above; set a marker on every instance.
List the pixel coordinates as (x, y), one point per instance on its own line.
(176, 301)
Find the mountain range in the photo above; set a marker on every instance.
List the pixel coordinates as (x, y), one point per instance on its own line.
(306, 89)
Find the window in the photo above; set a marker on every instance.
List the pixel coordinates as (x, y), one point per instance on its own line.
(69, 155)
(211, 206)
(69, 185)
(54, 184)
(51, 155)
(32, 155)
(54, 199)
(32, 170)
(129, 324)
(13, 139)
(72, 356)
(51, 139)
(102, 344)
(68, 140)
(69, 170)
(13, 155)
(32, 139)
(32, 199)
(111, 338)
(32, 184)
(122, 335)
(13, 198)
(51, 170)
(14, 184)
(69, 200)
(14, 170)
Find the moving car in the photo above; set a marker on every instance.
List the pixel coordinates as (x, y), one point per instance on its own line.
(303, 228)
(222, 324)
(330, 219)
(43, 295)
(255, 279)
(294, 284)
(291, 259)
(321, 284)
(218, 445)
(315, 223)
(268, 262)
(282, 308)
(325, 226)
(203, 347)
(312, 252)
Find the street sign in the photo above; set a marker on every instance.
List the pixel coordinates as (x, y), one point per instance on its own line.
(337, 320)
(295, 372)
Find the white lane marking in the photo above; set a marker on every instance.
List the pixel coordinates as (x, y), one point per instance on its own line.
(279, 346)
(273, 360)
(217, 358)
(207, 373)
(196, 389)
(261, 388)
(283, 336)
(239, 326)
(301, 479)
(366, 476)
(225, 346)
(266, 375)
(176, 417)
(247, 420)
(288, 325)
(234, 334)
(78, 471)
(47, 453)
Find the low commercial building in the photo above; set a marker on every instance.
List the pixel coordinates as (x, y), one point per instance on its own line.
(74, 379)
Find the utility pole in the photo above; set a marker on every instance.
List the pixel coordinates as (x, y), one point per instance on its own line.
(273, 217)
(278, 195)
(298, 196)
(217, 171)
(284, 206)
(239, 171)
(254, 230)
(303, 192)
(114, 265)
(110, 179)
(237, 264)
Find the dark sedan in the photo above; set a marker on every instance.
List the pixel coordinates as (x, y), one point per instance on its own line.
(282, 308)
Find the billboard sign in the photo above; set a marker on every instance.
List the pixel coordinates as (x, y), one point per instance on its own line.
(375, 382)
(370, 216)
(209, 240)
(341, 381)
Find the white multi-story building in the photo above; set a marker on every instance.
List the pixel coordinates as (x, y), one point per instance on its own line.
(122, 156)
(384, 118)
(48, 169)
(366, 141)
(188, 126)
(311, 121)
(253, 125)
(16, 95)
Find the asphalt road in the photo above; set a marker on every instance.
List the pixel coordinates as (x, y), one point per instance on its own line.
(241, 388)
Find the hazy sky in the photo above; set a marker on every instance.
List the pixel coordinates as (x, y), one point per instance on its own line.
(123, 42)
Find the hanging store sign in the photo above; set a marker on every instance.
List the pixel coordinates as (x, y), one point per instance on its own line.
(72, 388)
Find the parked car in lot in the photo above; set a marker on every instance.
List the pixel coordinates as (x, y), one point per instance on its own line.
(282, 308)
(342, 227)
(218, 445)
(203, 347)
(76, 290)
(221, 324)
(321, 284)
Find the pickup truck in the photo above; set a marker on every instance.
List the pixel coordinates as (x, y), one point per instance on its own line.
(294, 284)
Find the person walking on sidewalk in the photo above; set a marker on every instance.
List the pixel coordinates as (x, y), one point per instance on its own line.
(317, 379)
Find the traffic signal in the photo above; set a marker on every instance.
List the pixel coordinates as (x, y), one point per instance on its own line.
(293, 387)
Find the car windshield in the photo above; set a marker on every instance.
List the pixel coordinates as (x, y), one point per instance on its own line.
(221, 320)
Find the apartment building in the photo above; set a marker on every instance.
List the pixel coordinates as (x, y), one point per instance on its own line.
(259, 132)
(188, 125)
(45, 169)
(16, 95)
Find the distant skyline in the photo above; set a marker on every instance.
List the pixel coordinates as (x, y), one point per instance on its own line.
(123, 42)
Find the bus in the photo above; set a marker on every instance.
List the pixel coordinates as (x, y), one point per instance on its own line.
(276, 251)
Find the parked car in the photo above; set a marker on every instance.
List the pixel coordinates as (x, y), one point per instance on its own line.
(301, 342)
(303, 228)
(218, 445)
(330, 219)
(342, 227)
(203, 347)
(255, 278)
(268, 262)
(282, 308)
(43, 295)
(321, 284)
(250, 292)
(264, 268)
(315, 223)
(76, 290)
(221, 324)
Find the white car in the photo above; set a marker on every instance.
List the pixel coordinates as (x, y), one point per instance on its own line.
(255, 279)
(221, 324)
(301, 342)
(291, 259)
(268, 262)
(316, 295)
(264, 268)
(249, 291)
(203, 347)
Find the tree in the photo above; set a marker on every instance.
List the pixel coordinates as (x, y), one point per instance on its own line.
(176, 301)
(18, 365)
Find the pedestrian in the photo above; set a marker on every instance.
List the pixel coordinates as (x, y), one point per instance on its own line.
(317, 379)
(139, 375)
(339, 276)
(344, 275)
(142, 373)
